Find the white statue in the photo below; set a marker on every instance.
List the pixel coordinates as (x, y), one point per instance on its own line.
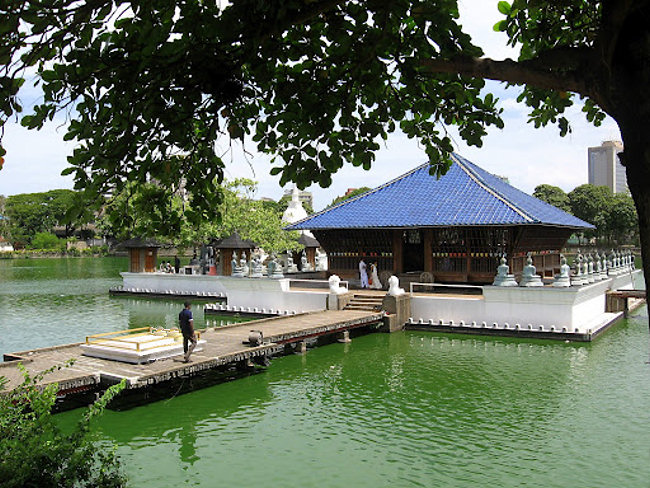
(335, 286)
(590, 268)
(256, 264)
(578, 278)
(291, 267)
(529, 276)
(274, 269)
(243, 264)
(563, 280)
(503, 277)
(304, 264)
(236, 269)
(393, 287)
(598, 268)
(611, 264)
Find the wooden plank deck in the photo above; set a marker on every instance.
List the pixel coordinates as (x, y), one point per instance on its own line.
(639, 294)
(224, 346)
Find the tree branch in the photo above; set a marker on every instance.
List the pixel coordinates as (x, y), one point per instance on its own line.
(562, 58)
(519, 73)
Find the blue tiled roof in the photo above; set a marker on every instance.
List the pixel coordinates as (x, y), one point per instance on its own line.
(465, 195)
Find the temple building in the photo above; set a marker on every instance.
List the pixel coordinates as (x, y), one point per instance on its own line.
(449, 229)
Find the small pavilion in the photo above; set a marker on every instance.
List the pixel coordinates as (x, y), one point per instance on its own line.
(311, 244)
(449, 229)
(227, 246)
(143, 254)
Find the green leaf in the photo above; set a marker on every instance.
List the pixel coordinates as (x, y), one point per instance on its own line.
(500, 26)
(504, 7)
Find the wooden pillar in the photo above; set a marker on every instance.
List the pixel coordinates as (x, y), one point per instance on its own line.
(226, 258)
(397, 251)
(468, 255)
(134, 261)
(150, 255)
(311, 256)
(428, 250)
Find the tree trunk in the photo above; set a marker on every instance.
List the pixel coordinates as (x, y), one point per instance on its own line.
(636, 158)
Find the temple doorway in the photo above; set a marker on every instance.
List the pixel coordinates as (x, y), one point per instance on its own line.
(413, 251)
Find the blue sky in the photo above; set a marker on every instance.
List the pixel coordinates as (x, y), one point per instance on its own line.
(527, 156)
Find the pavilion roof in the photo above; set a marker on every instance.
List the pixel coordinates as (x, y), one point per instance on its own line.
(235, 242)
(465, 196)
(308, 241)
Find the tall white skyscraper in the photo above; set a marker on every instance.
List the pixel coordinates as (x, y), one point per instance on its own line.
(605, 169)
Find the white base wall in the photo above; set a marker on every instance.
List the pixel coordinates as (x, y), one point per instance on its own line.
(563, 308)
(576, 309)
(240, 292)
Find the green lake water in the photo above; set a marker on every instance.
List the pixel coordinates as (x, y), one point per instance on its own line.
(410, 409)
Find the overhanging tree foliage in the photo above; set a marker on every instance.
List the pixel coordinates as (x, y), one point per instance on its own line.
(316, 82)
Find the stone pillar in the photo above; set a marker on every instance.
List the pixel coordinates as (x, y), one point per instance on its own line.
(301, 347)
(344, 337)
(338, 301)
(398, 310)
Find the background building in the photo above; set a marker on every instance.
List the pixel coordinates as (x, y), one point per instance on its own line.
(605, 169)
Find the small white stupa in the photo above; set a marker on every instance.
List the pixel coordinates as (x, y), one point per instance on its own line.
(295, 211)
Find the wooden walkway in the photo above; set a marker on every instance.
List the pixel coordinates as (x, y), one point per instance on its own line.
(624, 301)
(224, 346)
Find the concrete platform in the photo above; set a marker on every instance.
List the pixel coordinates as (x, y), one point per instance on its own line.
(137, 350)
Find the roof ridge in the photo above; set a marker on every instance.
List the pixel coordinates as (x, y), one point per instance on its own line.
(483, 184)
(353, 199)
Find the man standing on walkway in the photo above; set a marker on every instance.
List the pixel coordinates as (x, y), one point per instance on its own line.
(364, 273)
(186, 323)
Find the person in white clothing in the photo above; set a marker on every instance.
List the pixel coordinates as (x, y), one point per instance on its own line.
(364, 274)
(374, 277)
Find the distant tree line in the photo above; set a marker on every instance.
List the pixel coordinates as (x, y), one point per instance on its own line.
(30, 219)
(350, 194)
(613, 214)
(146, 209)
